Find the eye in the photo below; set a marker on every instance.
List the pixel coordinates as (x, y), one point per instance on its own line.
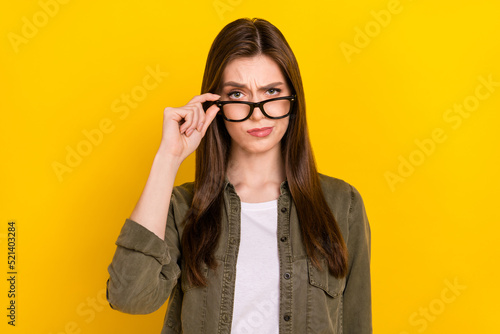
(274, 91)
(235, 94)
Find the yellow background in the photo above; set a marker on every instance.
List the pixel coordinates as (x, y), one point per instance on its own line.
(436, 226)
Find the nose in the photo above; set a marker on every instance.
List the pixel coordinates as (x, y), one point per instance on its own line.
(257, 114)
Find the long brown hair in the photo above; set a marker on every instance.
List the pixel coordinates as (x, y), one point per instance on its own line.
(320, 232)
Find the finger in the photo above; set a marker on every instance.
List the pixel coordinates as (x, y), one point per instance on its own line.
(194, 122)
(188, 119)
(201, 117)
(209, 117)
(205, 97)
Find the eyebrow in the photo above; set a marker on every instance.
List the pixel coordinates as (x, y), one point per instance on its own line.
(240, 85)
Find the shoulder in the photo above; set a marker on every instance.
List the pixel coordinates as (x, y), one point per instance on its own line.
(330, 183)
(180, 202)
(341, 196)
(182, 195)
(336, 189)
(185, 190)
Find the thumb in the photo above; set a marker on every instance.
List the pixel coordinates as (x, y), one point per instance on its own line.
(209, 117)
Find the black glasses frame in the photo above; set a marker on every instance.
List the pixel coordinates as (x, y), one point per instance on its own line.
(252, 105)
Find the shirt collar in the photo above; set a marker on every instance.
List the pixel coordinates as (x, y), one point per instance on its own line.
(227, 183)
(284, 189)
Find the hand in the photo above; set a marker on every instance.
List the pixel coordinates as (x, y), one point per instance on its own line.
(184, 127)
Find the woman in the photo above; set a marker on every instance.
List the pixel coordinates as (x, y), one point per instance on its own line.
(260, 242)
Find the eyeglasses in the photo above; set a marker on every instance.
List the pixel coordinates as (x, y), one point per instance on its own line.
(239, 111)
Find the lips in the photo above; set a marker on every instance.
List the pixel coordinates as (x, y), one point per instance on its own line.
(260, 132)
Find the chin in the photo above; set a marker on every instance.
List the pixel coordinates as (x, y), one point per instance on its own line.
(260, 147)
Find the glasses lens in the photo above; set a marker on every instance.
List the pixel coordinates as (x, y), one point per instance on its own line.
(277, 108)
(239, 111)
(236, 111)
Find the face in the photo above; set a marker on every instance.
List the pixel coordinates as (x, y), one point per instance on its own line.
(255, 79)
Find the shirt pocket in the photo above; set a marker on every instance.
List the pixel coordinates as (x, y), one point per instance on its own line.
(324, 300)
(323, 280)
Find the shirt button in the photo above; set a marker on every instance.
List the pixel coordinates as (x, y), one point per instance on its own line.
(283, 239)
(283, 210)
(287, 276)
(286, 317)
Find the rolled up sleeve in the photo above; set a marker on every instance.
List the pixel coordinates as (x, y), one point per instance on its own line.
(144, 269)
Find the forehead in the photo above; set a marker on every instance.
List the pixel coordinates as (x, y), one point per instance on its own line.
(261, 69)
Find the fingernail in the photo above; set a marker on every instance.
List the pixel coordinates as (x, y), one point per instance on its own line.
(200, 126)
(188, 133)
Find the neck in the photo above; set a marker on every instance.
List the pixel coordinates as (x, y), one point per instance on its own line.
(255, 170)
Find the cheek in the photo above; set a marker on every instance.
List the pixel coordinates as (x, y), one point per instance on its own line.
(232, 128)
(283, 125)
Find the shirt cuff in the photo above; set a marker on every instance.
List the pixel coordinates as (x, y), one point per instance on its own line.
(138, 238)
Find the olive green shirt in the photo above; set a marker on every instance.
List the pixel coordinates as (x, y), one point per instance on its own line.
(146, 271)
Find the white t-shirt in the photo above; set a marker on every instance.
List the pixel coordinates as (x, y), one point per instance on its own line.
(256, 296)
